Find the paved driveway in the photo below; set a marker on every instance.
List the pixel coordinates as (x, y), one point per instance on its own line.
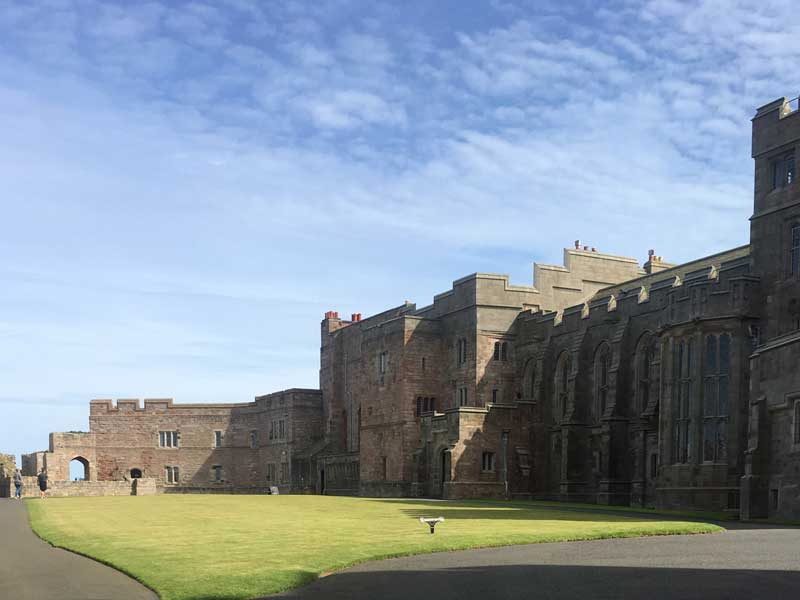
(746, 562)
(31, 569)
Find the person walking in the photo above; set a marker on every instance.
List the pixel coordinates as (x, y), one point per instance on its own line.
(42, 479)
(17, 485)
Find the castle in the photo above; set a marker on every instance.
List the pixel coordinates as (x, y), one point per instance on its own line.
(662, 385)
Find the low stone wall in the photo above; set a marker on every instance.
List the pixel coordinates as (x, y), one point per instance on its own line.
(69, 489)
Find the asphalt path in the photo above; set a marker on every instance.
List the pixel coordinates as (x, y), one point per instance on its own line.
(746, 561)
(31, 569)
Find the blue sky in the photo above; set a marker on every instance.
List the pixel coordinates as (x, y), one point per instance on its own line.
(188, 187)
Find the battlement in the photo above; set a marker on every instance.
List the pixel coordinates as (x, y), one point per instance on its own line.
(585, 272)
(774, 125)
(133, 405)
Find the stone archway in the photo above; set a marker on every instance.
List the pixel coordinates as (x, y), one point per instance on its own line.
(79, 469)
(136, 473)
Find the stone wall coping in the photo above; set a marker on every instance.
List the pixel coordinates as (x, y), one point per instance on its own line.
(667, 276)
(777, 342)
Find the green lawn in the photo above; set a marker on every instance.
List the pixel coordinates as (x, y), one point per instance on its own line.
(202, 547)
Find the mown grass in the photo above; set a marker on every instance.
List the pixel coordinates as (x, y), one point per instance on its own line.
(238, 547)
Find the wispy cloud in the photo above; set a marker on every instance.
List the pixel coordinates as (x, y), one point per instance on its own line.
(188, 188)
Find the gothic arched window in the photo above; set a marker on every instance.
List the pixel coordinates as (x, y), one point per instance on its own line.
(646, 371)
(561, 395)
(602, 365)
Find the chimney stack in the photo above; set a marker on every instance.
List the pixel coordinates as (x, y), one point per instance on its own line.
(655, 263)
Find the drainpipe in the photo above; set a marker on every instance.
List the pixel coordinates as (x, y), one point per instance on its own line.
(505, 462)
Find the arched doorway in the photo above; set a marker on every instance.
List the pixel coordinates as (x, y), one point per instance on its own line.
(79, 469)
(136, 473)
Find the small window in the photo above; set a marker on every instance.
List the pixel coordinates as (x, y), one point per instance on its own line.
(172, 474)
(495, 396)
(462, 351)
(487, 461)
(501, 351)
(426, 404)
(216, 473)
(423, 364)
(254, 439)
(136, 473)
(462, 396)
(783, 169)
(383, 362)
(385, 468)
(217, 439)
(433, 405)
(270, 471)
(168, 439)
(284, 472)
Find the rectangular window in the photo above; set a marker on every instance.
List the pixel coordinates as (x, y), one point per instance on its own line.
(462, 396)
(172, 474)
(487, 461)
(383, 362)
(683, 366)
(462, 351)
(496, 351)
(216, 473)
(254, 439)
(433, 404)
(282, 429)
(270, 471)
(284, 472)
(217, 439)
(168, 439)
(495, 396)
(783, 171)
(385, 468)
(715, 398)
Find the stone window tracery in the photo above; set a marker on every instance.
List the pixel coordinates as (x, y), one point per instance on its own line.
(682, 401)
(561, 395)
(715, 398)
(646, 371)
(602, 365)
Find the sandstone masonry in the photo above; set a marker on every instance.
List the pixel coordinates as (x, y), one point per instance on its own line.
(606, 381)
